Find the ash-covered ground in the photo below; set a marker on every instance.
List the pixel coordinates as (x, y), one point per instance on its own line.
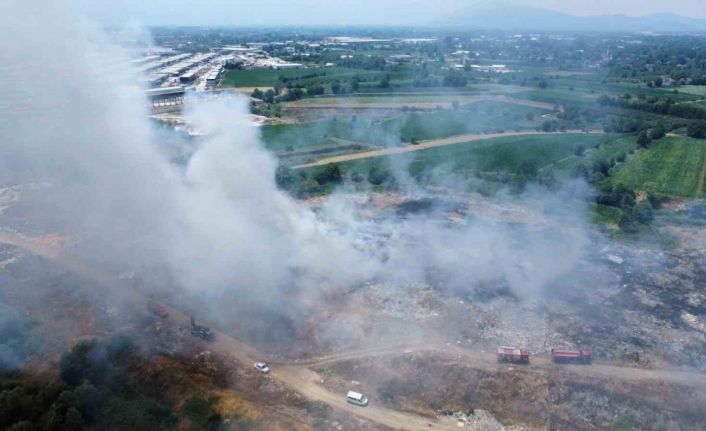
(636, 307)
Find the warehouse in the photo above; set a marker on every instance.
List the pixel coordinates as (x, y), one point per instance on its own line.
(165, 98)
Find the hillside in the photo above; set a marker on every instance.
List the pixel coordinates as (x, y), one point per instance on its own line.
(508, 16)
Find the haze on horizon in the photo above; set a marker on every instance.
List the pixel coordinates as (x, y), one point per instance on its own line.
(348, 12)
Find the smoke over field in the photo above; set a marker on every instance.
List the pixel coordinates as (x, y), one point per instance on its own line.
(389, 247)
(74, 122)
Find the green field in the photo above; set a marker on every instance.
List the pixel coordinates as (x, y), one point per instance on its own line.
(256, 77)
(399, 97)
(269, 77)
(608, 149)
(587, 89)
(671, 166)
(697, 90)
(475, 118)
(504, 155)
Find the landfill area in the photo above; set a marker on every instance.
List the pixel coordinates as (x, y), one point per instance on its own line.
(421, 352)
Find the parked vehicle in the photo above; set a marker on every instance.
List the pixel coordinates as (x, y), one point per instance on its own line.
(571, 356)
(357, 398)
(513, 355)
(262, 367)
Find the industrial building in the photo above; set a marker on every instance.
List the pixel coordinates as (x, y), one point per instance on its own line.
(164, 99)
(214, 76)
(493, 68)
(188, 77)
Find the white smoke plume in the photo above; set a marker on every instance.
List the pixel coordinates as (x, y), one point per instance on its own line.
(73, 118)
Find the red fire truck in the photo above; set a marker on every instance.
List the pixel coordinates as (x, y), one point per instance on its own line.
(571, 356)
(513, 355)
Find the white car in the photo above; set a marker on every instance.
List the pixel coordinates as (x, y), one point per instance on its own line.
(357, 398)
(262, 367)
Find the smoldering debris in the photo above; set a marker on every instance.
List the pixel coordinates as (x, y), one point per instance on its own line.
(218, 226)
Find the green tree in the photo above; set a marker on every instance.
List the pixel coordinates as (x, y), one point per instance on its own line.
(643, 139)
(73, 421)
(628, 223)
(277, 88)
(269, 96)
(23, 426)
(202, 414)
(549, 126)
(455, 79)
(643, 212)
(315, 90)
(658, 132)
(696, 129)
(378, 175)
(74, 365)
(284, 178)
(385, 81)
(355, 83)
(330, 173)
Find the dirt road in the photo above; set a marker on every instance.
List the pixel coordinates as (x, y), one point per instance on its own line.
(423, 145)
(296, 377)
(339, 103)
(299, 377)
(487, 361)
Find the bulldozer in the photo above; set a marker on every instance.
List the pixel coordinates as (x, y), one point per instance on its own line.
(199, 331)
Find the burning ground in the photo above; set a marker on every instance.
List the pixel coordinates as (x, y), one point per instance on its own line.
(415, 347)
(102, 225)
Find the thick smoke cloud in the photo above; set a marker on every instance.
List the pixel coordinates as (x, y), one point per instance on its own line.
(73, 120)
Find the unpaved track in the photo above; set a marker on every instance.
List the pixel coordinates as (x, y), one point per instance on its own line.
(338, 104)
(301, 379)
(423, 145)
(296, 377)
(487, 361)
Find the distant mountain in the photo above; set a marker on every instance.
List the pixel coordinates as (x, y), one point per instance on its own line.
(507, 16)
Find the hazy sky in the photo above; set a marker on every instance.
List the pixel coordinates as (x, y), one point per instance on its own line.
(342, 12)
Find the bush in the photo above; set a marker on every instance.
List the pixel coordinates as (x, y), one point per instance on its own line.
(658, 132)
(97, 392)
(643, 139)
(329, 174)
(384, 82)
(13, 342)
(697, 130)
(284, 178)
(643, 212)
(377, 176)
(618, 196)
(201, 413)
(258, 94)
(455, 80)
(315, 90)
(549, 126)
(628, 224)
